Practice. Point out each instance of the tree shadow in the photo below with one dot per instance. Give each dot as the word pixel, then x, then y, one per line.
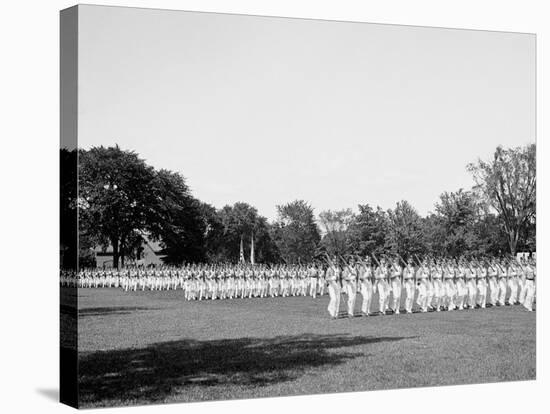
pixel 115 310
pixel 152 374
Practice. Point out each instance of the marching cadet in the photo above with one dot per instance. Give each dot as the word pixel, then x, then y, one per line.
pixel 408 283
pixel 461 289
pixel 513 283
pixel 349 278
pixel 188 283
pixel 471 286
pixel 365 280
pixel 201 282
pixel 285 281
pixel 437 282
pixel 213 279
pixel 422 286
pixel 522 280
pixel 481 285
pixel 272 281
pixel 430 292
pixel 322 281
pixel 492 282
pixel 312 275
pixel 334 288
pixel 530 287
pixel 263 279
pixel 231 282
pixel 240 283
pixel 502 283
pixel 450 286
pixel 382 286
pixel 395 274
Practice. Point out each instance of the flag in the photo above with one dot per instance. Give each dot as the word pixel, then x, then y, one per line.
pixel 252 249
pixel 241 255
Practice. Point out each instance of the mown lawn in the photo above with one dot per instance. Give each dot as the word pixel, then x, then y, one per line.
pixel 151 347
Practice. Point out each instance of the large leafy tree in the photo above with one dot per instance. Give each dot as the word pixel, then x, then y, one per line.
pixel 405 231
pixel 508 183
pixel 242 221
pixel 295 232
pixel 335 224
pixel 458 214
pixel 117 197
pixel 177 220
pixel 213 233
pixel 367 232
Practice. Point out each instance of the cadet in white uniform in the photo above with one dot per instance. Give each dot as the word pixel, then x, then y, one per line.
pixel 408 282
pixel 382 286
pixel 530 287
pixel 365 279
pixel 502 279
pixel 334 289
pixel 422 287
pixel 437 282
pixel 395 282
pixel 350 284
pixel 471 287
pixel 482 285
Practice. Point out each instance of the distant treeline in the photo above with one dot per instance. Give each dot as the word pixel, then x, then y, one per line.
pixel 121 200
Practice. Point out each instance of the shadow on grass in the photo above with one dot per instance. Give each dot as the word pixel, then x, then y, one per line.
pixel 151 374
pixel 117 310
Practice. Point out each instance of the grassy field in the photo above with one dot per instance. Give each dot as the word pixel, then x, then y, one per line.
pixel 145 347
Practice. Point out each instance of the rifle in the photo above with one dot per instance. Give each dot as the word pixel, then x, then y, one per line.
pixel 402 260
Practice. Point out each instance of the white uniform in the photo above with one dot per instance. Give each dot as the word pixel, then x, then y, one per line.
pixel 513 284
pixel 502 285
pixel 350 280
pixel 395 279
pixel 365 278
pixel 482 287
pixel 334 291
pixel 422 288
pixel 530 287
pixel 450 288
pixel 493 286
pixel 437 283
pixel 470 287
pixel 382 288
pixel 408 283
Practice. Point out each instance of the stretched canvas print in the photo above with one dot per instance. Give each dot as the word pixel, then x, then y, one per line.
pixel 263 206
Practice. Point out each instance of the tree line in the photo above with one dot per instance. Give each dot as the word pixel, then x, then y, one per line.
pixel 122 200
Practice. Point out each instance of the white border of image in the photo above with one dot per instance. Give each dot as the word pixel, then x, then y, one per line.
pixel 29 169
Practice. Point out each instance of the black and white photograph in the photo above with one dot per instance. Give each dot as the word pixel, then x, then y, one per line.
pixel 258 207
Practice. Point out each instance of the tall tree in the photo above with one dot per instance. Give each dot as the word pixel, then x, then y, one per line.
pixel 508 182
pixel 117 197
pixel 405 231
pixel 335 224
pixel 295 232
pixel 458 212
pixel 213 233
pixel 243 221
pixel 367 232
pixel 177 221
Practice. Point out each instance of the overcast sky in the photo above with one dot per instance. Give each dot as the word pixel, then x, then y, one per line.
pixel 268 110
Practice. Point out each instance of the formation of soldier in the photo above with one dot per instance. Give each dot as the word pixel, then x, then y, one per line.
pixel 201 281
pixel 434 284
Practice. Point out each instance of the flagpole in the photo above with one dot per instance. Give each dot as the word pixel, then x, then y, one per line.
pixel 241 253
